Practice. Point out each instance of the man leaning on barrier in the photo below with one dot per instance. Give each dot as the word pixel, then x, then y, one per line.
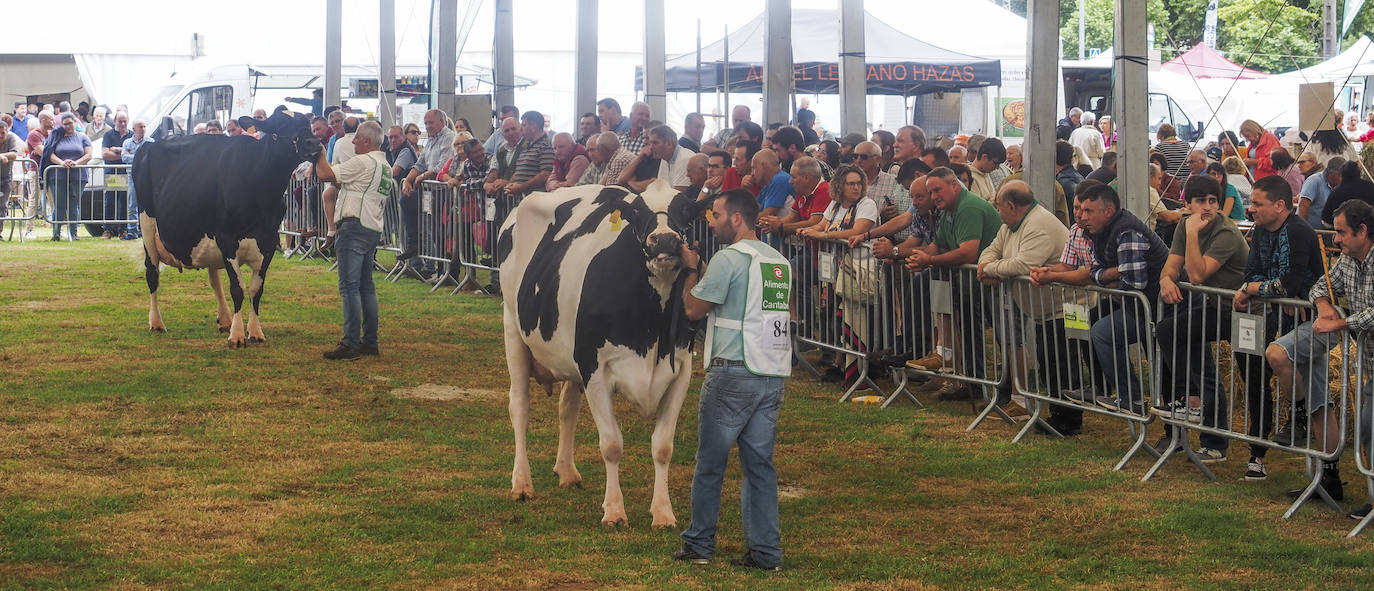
pixel 1073 268
pixel 1210 251
pixel 918 223
pixel 1284 258
pixel 1306 348
pixel 967 225
pixel 1030 237
pixel 1126 256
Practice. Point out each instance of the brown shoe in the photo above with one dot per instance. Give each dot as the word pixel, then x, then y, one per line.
pixel 954 391
pixel 1015 410
pixel 931 362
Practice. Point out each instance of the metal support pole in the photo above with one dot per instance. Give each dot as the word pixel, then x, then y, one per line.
pixel 1331 40
pixel 1082 31
pixel 584 84
pixel 1042 89
pixel 655 60
pixel 333 48
pixel 698 66
pixel 777 59
pixel 725 40
pixel 386 68
pixel 503 55
pixel 443 70
pixel 1128 93
pixel 853 69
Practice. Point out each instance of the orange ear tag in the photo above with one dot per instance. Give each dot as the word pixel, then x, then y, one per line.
pixel 710 215
pixel 615 220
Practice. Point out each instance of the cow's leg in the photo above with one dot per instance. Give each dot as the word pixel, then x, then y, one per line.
pixel 222 316
pixel 151 261
pixel 569 402
pixel 520 364
pixel 661 508
pixel 237 338
pixel 599 399
pixel 259 267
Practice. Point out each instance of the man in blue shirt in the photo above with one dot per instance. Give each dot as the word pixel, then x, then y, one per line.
pixel 1315 190
pixel 776 184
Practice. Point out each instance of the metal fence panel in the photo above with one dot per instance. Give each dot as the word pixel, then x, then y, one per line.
pixel 1228 398
pixel 837 295
pixel 1364 424
pixel 22 197
pixel 1063 367
pixel 94 195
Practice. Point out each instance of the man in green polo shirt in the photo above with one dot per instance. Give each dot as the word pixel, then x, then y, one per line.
pixel 968 224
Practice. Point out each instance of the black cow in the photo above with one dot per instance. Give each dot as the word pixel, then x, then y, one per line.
pixel 215 202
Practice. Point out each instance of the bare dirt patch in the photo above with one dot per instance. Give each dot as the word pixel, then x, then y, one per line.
pixel 443 393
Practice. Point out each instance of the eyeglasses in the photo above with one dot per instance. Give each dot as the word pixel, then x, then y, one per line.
pixel 854 183
pixel 865 156
pixel 715 166
pixel 413 132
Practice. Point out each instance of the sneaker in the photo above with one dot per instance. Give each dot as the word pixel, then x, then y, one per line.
pixel 748 561
pixel 1294 433
pixel 1078 394
pixel 1162 446
pixel 1175 409
pixel 1113 403
pixel 1360 513
pixel 931 362
pixel 689 556
pixel 106 235
pixel 370 350
pixel 1255 469
pixel 343 352
pixel 1331 481
pixel 1210 456
pixel 1062 426
pixel 492 289
pixel 29 235
pixel 410 251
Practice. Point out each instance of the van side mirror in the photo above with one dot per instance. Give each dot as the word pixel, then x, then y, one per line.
pixel 167 129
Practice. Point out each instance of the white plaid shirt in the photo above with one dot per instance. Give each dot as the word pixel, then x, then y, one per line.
pixel 1355 281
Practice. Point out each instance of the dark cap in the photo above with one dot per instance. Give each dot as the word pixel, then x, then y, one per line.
pixel 853 139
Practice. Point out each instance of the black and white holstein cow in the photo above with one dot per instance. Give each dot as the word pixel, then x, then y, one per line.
pixel 593 297
pixel 215 202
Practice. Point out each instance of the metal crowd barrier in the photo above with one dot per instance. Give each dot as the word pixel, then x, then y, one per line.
pixel 437 229
pixel 959 311
pixel 837 293
pixel 100 201
pixel 24 198
pixel 1060 365
pixel 304 224
pixel 1363 396
pixel 477 221
pixel 393 238
pixel 1242 410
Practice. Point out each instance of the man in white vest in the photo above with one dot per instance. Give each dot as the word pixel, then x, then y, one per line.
pixel 745 297
pixel 365 183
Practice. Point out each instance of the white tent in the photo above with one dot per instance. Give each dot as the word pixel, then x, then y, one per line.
pixel 1358 60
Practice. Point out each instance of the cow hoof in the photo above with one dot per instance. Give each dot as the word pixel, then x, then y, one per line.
pixel 224 329
pixel 577 484
pixel 238 343
pixel 668 524
pixel 614 523
pixel 257 340
pixel 157 328
pixel 521 496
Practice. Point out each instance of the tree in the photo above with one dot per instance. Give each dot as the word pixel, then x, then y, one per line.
pixel 1178 24
pixel 1262 34
pixel 1098 25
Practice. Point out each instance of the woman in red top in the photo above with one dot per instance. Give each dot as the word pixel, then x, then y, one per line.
pixel 1259 144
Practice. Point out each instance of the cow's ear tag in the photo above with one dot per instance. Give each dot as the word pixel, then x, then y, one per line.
pixel 615 220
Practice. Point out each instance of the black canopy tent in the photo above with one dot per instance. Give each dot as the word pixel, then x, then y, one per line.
pixel 897 63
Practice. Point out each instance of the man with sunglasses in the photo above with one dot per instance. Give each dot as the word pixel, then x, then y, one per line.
pixel 883 188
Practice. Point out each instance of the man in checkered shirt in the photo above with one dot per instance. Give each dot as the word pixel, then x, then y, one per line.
pixel 1306 348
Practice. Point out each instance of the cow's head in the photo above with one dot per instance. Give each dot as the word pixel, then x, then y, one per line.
pixel 290 135
pixel 661 227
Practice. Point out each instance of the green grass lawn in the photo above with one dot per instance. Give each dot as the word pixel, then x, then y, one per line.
pixel 137 460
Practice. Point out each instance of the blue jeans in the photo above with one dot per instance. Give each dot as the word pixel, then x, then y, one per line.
pixel 133 208
pixel 1111 336
pixel 66 188
pixel 737 407
pixel 356 246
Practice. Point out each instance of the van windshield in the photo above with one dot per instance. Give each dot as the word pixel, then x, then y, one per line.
pixel 159 103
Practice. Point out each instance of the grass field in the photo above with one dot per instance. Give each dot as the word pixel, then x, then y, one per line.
pixel 131 460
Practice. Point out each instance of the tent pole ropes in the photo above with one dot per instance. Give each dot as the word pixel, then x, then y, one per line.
pixel 853 77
